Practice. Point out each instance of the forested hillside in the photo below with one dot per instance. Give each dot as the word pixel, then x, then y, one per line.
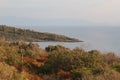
pixel 16 34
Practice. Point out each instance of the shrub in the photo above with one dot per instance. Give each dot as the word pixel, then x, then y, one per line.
pixel 78 62
pixel 116 66
pixel 51 48
pixel 64 74
pixel 110 58
pixel 78 74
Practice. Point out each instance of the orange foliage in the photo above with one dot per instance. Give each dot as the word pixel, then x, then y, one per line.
pixel 64 74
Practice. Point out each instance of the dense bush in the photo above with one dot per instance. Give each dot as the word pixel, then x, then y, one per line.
pixel 58 48
pixel 78 62
pixel 21 56
pixel 116 66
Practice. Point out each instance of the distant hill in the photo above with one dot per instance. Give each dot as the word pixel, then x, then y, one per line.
pixel 15 34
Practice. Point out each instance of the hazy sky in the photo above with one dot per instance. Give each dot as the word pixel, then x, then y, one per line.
pixel 60 12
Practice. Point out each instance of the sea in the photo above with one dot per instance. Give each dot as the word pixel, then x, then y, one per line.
pixel 104 39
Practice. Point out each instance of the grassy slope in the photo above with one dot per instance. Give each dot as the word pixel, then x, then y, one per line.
pixel 12 33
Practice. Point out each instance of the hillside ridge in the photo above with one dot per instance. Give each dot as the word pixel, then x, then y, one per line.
pixel 15 34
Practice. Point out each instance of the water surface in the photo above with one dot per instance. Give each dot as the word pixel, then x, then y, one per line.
pixel 101 38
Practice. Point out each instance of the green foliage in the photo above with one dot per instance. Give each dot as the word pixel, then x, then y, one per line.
pixel 30 49
pixel 77 61
pixel 14 54
pixel 78 74
pixel 9 54
pixel 116 66
pixel 58 48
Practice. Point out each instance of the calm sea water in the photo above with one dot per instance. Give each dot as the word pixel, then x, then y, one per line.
pixel 100 38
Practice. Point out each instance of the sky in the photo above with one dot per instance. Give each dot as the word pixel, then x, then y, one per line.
pixel 60 12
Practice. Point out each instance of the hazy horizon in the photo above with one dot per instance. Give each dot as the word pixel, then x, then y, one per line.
pixel 60 12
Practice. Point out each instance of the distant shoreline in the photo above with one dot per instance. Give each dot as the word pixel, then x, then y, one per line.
pixel 57 41
pixel 16 34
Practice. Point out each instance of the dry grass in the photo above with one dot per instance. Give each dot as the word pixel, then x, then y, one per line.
pixel 10 73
